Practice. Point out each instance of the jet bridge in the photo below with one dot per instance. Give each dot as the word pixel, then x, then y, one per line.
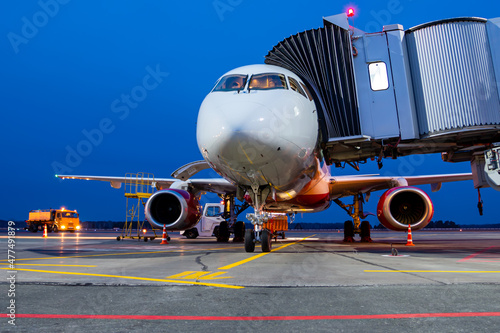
pixel 432 88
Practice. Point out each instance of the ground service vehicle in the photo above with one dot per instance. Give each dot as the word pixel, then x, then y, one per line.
pixel 213 224
pixel 55 220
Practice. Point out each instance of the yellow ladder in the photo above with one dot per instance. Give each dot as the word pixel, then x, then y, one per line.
pixel 138 188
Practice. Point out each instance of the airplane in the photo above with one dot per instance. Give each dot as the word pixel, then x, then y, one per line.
pixel 258 129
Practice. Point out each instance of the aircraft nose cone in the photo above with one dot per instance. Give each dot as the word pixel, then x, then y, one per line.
pixel 238 133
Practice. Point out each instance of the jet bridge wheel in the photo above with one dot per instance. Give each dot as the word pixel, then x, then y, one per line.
pixel 249 240
pixel 266 238
pixel 365 232
pixel 348 232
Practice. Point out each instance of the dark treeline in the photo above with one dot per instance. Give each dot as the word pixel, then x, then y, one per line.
pixel 109 225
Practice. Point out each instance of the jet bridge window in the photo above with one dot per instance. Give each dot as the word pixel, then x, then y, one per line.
pixel 233 82
pixel 295 86
pixel 267 81
pixel 378 76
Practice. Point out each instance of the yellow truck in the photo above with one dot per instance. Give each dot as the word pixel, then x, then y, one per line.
pixel 55 219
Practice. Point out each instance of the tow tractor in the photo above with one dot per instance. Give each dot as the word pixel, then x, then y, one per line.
pixel 217 221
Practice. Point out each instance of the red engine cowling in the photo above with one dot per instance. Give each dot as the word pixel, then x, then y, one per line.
pixel 177 209
pixel 403 206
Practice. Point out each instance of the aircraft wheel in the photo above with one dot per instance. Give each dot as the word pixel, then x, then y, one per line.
pixel 348 232
pixel 265 238
pixel 249 240
pixel 223 236
pixel 365 232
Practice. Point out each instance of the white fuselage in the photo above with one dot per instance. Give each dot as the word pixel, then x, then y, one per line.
pixel 256 128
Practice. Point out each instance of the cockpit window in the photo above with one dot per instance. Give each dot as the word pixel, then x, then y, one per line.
pixel 294 85
pixel 233 82
pixel 267 81
pixel 307 91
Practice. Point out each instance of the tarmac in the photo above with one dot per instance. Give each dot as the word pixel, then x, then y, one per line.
pixel 311 281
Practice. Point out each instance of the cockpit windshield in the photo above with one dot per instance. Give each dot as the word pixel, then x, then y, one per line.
pixel 233 82
pixel 267 81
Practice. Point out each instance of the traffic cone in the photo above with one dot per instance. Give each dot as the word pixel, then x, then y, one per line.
pixel 409 242
pixel 164 238
pixel 44 230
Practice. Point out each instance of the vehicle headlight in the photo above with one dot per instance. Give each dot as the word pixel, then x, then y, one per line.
pixel 63 227
pixel 77 227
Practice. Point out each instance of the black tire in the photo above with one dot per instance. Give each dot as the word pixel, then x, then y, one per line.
pixel 223 236
pixel 49 228
pixel 239 232
pixel 365 232
pixel 33 228
pixel 265 239
pixel 348 232
pixel 118 238
pixel 145 239
pixel 152 238
pixel 55 229
pixel 191 233
pixel 249 240
pixel 168 238
pixel 72 231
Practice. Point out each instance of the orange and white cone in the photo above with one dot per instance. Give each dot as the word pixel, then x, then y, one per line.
pixel 409 242
pixel 164 238
pixel 44 230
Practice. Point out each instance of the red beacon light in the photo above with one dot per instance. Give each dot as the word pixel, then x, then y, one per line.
pixel 350 12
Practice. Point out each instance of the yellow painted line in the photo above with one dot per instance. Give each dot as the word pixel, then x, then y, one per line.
pixel 244 261
pixel 195 275
pixel 425 271
pixel 117 254
pixel 58 265
pixel 134 278
pixel 215 276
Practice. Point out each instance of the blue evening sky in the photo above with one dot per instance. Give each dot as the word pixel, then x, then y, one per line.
pixel 67 67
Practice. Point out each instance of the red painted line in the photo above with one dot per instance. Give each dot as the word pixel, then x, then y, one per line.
pixel 262 318
pixel 476 254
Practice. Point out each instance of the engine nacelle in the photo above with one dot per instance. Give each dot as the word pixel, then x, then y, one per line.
pixel 402 206
pixel 177 209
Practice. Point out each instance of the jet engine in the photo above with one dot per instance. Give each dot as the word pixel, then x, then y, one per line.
pixel 177 209
pixel 402 206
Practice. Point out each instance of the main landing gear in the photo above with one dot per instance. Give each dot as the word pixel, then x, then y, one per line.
pixel 355 210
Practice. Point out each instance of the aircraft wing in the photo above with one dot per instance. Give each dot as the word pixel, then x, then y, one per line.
pixel 342 186
pixel 215 185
